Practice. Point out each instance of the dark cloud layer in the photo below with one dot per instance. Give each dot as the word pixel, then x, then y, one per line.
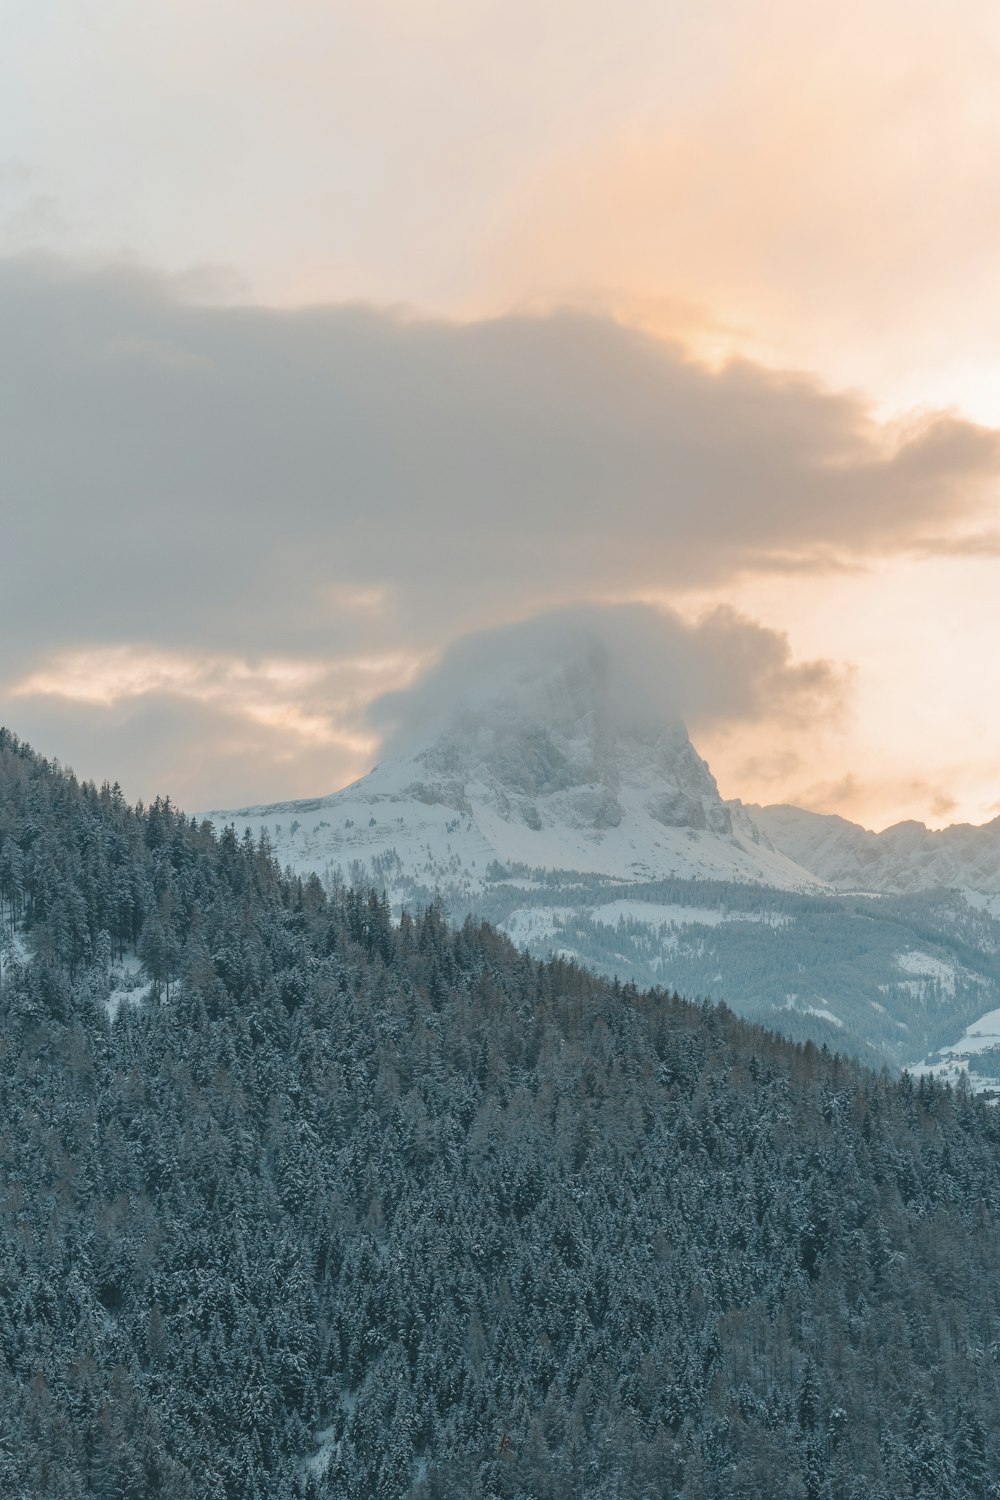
pixel 208 476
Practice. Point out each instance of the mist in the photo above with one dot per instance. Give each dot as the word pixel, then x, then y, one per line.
pixel 646 667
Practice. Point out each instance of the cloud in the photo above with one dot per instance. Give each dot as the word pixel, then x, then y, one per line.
pixel 310 698
pixel 653 666
pixel 201 726
pixel 200 753
pixel 816 183
pixel 862 797
pixel 214 504
pixel 826 183
pixel 984 544
pixel 211 476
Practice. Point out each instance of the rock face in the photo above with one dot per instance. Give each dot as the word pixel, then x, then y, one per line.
pixel 906 857
pixel 548 763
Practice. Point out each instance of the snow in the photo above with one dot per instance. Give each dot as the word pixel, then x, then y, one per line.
pixel 982 901
pixel 928 967
pixel 656 914
pixel 317 1463
pixel 420 837
pixel 13 947
pixel 531 923
pixel 906 857
pixel 127 984
pixel 129 988
pixel 978 1037
pixel 660 914
pixel 981 1036
pixel 792 1002
pixel 823 1013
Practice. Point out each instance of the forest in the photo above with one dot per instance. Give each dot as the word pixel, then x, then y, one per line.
pixel 301 1200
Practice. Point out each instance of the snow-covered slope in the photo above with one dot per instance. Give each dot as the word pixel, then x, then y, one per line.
pixel 542 765
pixel 906 857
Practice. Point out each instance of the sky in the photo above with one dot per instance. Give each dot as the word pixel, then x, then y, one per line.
pixel 332 333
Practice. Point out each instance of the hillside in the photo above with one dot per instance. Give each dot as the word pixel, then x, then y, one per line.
pixel 341 1207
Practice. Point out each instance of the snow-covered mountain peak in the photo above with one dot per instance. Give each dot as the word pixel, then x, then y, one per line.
pixel 550 756
pixel 555 743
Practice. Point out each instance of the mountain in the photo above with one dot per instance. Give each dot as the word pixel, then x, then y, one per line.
pixel 542 766
pixel 956 871
pixel 545 792
pixel 906 857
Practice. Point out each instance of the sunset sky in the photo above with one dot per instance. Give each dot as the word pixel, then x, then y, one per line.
pixel 332 332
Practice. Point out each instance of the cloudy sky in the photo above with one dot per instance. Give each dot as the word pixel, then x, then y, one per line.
pixel 330 333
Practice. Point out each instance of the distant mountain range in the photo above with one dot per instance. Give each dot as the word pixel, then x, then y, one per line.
pixel 906 857
pixel 582 823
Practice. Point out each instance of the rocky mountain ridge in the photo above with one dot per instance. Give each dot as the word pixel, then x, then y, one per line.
pixel 906 857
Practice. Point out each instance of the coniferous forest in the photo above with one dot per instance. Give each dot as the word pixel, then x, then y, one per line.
pixel 331 1205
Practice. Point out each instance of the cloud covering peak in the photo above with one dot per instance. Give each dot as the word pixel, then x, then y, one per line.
pixel 639 668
